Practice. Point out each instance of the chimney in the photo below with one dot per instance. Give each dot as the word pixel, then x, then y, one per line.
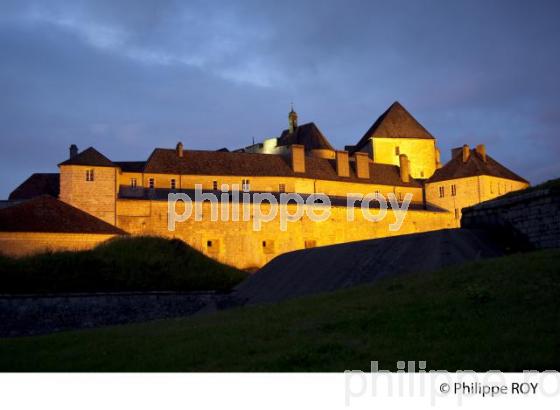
pixel 298 158
pixel 466 153
pixel 362 164
pixel 342 165
pixel 404 165
pixel 481 149
pixel 73 150
pixel 179 149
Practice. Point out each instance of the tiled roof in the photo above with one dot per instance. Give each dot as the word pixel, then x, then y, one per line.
pixel 307 135
pixel 91 157
pixel 130 166
pixel 474 166
pixel 166 161
pixel 37 185
pixel 396 122
pixel 47 214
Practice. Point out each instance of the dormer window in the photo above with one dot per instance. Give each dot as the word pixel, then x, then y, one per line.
pixel 89 175
pixel 173 184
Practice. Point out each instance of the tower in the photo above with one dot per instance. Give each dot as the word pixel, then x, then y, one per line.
pixel 292 120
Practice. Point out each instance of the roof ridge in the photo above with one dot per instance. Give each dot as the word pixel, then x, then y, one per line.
pixel 47 214
pixel 308 135
pixel 475 165
pixel 89 156
pixel 241 164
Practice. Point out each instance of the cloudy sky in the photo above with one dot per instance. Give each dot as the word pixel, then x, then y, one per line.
pixel 128 76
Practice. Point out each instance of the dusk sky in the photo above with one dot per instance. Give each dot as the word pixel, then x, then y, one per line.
pixel 129 76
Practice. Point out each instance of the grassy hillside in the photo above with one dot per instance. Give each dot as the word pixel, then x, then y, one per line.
pixel 494 314
pixel 122 264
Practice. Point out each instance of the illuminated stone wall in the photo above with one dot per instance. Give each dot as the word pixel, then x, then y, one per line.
pixel 97 197
pixel 469 191
pixel 26 243
pixel 270 184
pixel 237 244
pixel 533 215
pixel 420 152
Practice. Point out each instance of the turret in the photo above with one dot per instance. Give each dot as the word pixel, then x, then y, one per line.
pixel 292 120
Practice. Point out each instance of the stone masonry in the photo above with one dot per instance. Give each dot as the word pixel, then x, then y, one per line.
pixel 534 214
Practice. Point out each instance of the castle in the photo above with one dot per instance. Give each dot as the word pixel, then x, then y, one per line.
pixel 93 198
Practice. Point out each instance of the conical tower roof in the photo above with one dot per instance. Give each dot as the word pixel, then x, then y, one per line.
pixel 396 122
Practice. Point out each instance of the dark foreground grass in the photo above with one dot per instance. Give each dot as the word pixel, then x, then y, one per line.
pixel 121 264
pixel 495 314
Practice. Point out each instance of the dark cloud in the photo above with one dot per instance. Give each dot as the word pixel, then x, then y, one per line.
pixel 131 75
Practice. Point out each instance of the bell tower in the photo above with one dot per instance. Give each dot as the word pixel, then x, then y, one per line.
pixel 292 120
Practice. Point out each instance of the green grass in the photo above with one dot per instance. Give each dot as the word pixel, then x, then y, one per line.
pixel 499 313
pixel 122 264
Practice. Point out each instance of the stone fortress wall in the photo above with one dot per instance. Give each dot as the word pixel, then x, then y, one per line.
pixel 469 190
pixel 27 243
pixel 535 215
pixel 396 156
pixel 237 243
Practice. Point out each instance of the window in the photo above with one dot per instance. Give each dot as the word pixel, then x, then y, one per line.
pixel 213 246
pixel 268 246
pixel 397 151
pixel 282 188
pixel 215 185
pixel 152 183
pixel 421 174
pixel 245 186
pixel 89 175
pixel 173 183
pixel 456 213
pixel 400 195
pixel 441 192
pixel 311 243
pixel 133 182
pixel 453 190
